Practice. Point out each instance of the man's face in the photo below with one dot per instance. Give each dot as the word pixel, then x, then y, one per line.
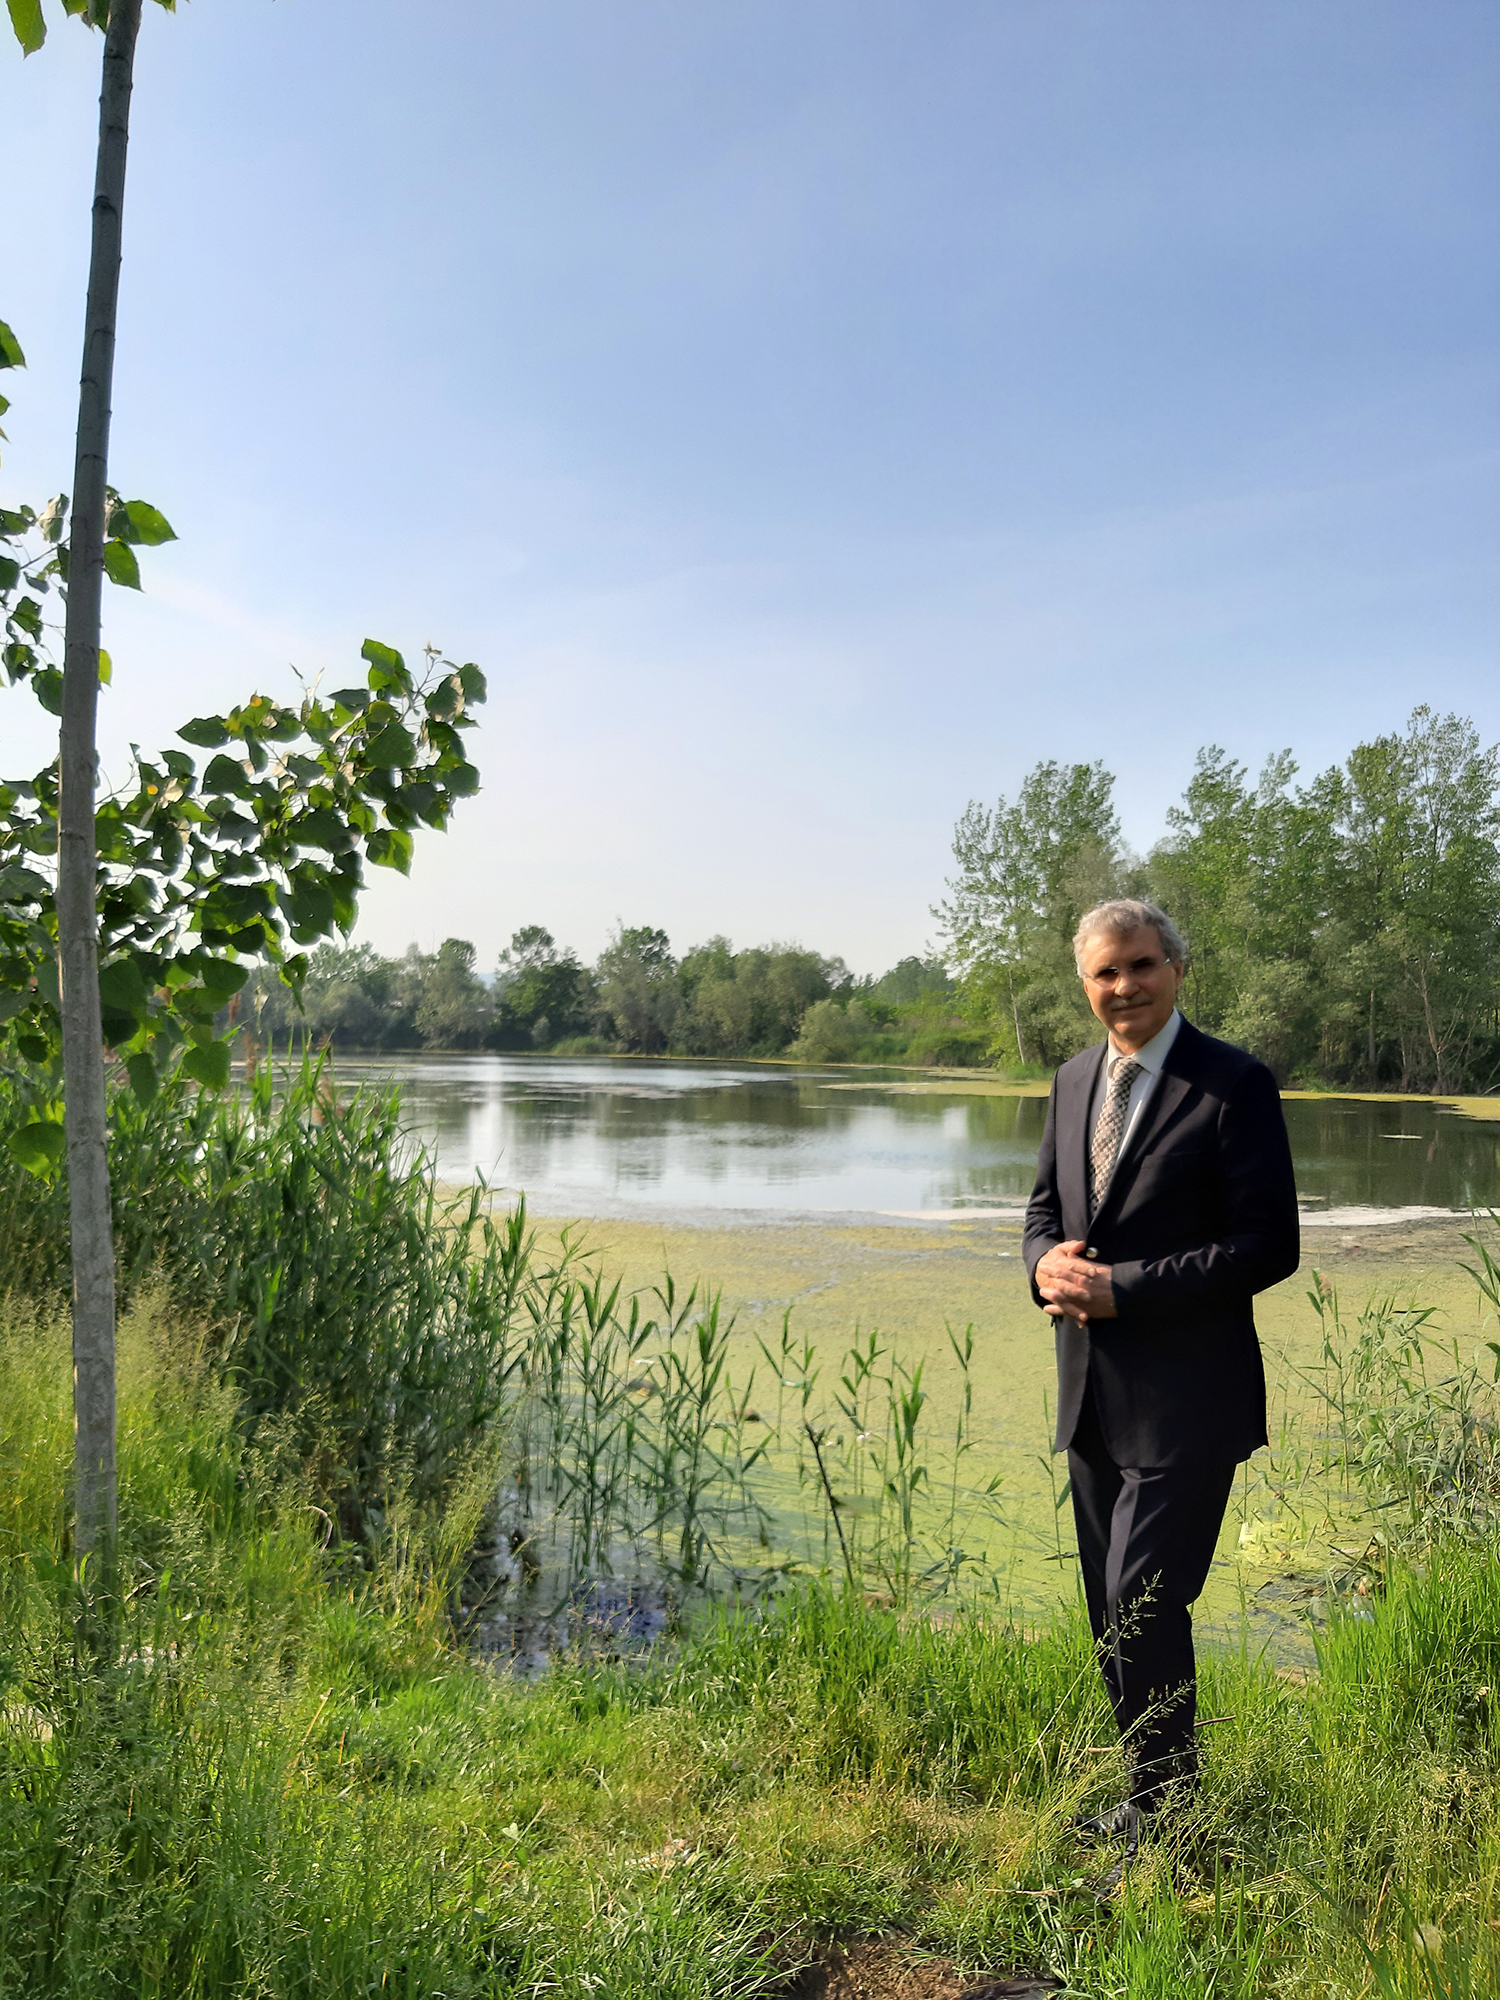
pixel 1137 1001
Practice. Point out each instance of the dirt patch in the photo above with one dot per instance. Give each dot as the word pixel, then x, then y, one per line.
pixel 894 1969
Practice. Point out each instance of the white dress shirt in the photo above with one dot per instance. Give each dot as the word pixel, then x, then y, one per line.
pixel 1151 1059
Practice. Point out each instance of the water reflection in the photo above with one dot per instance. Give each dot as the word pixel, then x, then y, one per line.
pixel 596 1136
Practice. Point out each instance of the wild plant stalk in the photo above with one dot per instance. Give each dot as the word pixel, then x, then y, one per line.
pixel 815 1439
pixel 794 1368
pixel 1060 1495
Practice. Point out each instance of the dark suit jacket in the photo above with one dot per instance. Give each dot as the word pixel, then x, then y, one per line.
pixel 1199 1215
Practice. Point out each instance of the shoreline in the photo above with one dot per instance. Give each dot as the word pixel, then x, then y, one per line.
pixel 932 1080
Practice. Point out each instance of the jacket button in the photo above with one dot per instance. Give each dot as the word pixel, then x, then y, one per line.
pixel 1091 1251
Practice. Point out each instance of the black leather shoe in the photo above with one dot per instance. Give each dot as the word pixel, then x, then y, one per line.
pixel 1122 1822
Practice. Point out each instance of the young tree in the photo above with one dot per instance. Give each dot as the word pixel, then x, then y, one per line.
pixel 1248 872
pixel 542 994
pixel 455 1007
pixel 638 988
pixel 1421 883
pixel 83 1061
pixel 192 875
pixel 1027 872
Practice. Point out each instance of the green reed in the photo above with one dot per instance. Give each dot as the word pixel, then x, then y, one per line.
pixel 626 1442
pixel 1413 1414
pixel 886 1495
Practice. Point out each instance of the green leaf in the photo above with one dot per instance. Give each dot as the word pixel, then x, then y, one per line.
pixel 143 524
pixel 237 903
pixel 106 668
pixel 197 1004
pixel 208 1064
pixel 310 909
pixel 324 828
pixel 221 976
pixel 387 668
pixel 122 987
pixel 473 682
pixel 446 698
pixel 46 684
pixel 35 1048
pixel 208 732
pixel 391 748
pixel 354 699
pixel 26 19
pixel 390 849
pixel 10 348
pixel 22 885
pixel 142 1073
pixel 39 1146
pixel 120 565
pixel 10 572
pixel 225 774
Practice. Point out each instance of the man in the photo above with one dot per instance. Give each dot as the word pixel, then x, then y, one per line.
pixel 1164 1201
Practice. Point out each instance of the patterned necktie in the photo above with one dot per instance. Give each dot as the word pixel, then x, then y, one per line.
pixel 1111 1126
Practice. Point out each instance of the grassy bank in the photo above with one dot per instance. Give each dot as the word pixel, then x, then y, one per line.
pixel 291 1783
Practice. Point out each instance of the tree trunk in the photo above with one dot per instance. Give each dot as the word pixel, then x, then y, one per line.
pixel 1372 1037
pixel 1432 1033
pixel 1015 1015
pixel 77 923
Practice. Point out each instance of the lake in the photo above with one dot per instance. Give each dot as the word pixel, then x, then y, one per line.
pixel 609 1137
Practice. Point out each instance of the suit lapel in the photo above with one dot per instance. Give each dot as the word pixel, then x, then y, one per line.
pixel 1078 1146
pixel 1172 1086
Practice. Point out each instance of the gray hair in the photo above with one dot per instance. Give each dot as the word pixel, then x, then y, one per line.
pixel 1121 916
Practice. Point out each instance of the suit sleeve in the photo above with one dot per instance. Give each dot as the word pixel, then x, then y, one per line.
pixel 1044 1225
pixel 1259 1243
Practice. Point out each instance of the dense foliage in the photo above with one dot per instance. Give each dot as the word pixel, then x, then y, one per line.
pixel 638 998
pixel 1347 930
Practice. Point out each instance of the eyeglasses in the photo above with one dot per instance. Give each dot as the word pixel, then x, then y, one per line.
pixel 1138 968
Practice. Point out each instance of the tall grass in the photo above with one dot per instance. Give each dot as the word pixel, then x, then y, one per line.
pixel 289 1784
pixel 344 1299
pixel 1412 1413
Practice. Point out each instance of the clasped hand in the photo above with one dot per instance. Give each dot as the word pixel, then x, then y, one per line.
pixel 1074 1286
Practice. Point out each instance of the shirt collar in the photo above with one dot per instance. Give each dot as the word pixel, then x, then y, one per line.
pixel 1154 1054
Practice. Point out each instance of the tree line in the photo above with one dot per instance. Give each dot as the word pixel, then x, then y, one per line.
pixel 1345 929
pixel 638 997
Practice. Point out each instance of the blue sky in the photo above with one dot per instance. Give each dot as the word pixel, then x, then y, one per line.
pixel 809 415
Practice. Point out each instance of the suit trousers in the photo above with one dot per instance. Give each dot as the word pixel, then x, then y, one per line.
pixel 1146 1536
